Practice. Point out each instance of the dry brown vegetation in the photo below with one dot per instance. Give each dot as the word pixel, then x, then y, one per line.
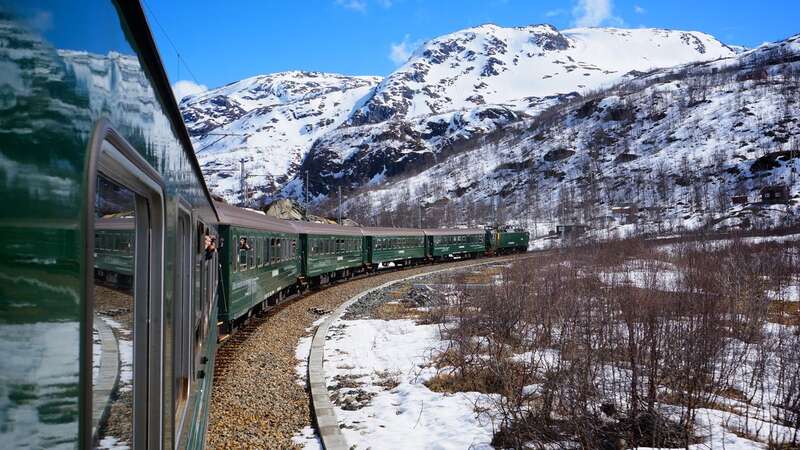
pixel 624 344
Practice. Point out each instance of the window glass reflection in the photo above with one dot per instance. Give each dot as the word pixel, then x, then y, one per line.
pixel 114 315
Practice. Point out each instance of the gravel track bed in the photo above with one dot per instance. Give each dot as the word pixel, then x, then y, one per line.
pixel 259 403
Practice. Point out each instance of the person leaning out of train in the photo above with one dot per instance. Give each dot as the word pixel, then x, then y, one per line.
pixel 210 245
pixel 243 245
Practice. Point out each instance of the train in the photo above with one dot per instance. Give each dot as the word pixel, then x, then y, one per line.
pixel 265 260
pixel 114 302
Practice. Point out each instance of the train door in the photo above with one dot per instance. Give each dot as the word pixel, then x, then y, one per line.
pixel 182 324
pixel 126 339
pixel 205 284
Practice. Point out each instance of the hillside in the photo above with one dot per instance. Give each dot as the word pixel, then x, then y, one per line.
pixel 453 89
pixel 663 151
pixel 272 120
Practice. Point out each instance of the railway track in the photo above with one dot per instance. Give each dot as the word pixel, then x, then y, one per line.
pixel 228 348
pixel 257 401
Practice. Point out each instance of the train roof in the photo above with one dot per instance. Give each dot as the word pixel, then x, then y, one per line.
pixel 387 231
pixel 326 228
pixel 452 231
pixel 139 28
pixel 115 223
pixel 232 215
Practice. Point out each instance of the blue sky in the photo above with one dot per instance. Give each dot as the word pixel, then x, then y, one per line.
pixel 224 41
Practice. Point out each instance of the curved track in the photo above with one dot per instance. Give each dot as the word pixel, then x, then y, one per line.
pixel 257 401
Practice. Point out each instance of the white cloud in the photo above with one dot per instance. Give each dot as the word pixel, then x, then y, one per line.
pixel 355 5
pixel 638 9
pixel 593 13
pixel 555 12
pixel 399 52
pixel 183 88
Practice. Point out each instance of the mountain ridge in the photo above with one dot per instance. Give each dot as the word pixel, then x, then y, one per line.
pixel 444 91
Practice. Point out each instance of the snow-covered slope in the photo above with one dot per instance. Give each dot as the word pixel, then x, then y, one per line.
pixel 271 121
pixel 492 64
pixel 455 87
pixel 666 150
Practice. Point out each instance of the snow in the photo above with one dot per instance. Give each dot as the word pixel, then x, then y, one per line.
pixel 112 443
pixel 275 119
pixel 308 439
pixel 453 64
pixel 645 274
pixel 125 346
pixel 718 139
pixel 409 415
pixel 789 293
pixel 302 351
pixel 448 80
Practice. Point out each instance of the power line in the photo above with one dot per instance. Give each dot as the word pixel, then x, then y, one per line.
pixel 171 43
pixel 222 136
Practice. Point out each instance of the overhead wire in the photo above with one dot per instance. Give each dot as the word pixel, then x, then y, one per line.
pixel 180 58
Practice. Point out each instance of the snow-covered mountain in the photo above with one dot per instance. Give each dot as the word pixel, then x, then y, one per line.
pixel 271 121
pixel 663 151
pixel 492 64
pixel 356 130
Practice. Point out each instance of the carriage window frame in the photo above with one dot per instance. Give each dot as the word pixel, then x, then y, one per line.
pixel 111 156
pixel 257 248
pixel 235 253
pixel 183 319
pixel 244 254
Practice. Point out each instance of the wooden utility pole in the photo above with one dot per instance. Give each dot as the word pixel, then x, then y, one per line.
pixel 340 205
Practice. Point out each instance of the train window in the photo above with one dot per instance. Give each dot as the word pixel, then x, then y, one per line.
pixel 235 254
pixel 205 289
pixel 259 247
pixel 251 253
pixel 124 302
pixel 114 289
pixel 273 250
pixel 182 329
pixel 244 244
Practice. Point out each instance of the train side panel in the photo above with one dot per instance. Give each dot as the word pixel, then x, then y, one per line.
pixel 89 89
pixel 326 255
pixel 386 249
pixel 269 265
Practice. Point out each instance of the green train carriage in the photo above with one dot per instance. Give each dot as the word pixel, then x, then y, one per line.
pixel 401 246
pixel 260 262
pixel 91 129
pixel 443 243
pixel 330 252
pixel 502 241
